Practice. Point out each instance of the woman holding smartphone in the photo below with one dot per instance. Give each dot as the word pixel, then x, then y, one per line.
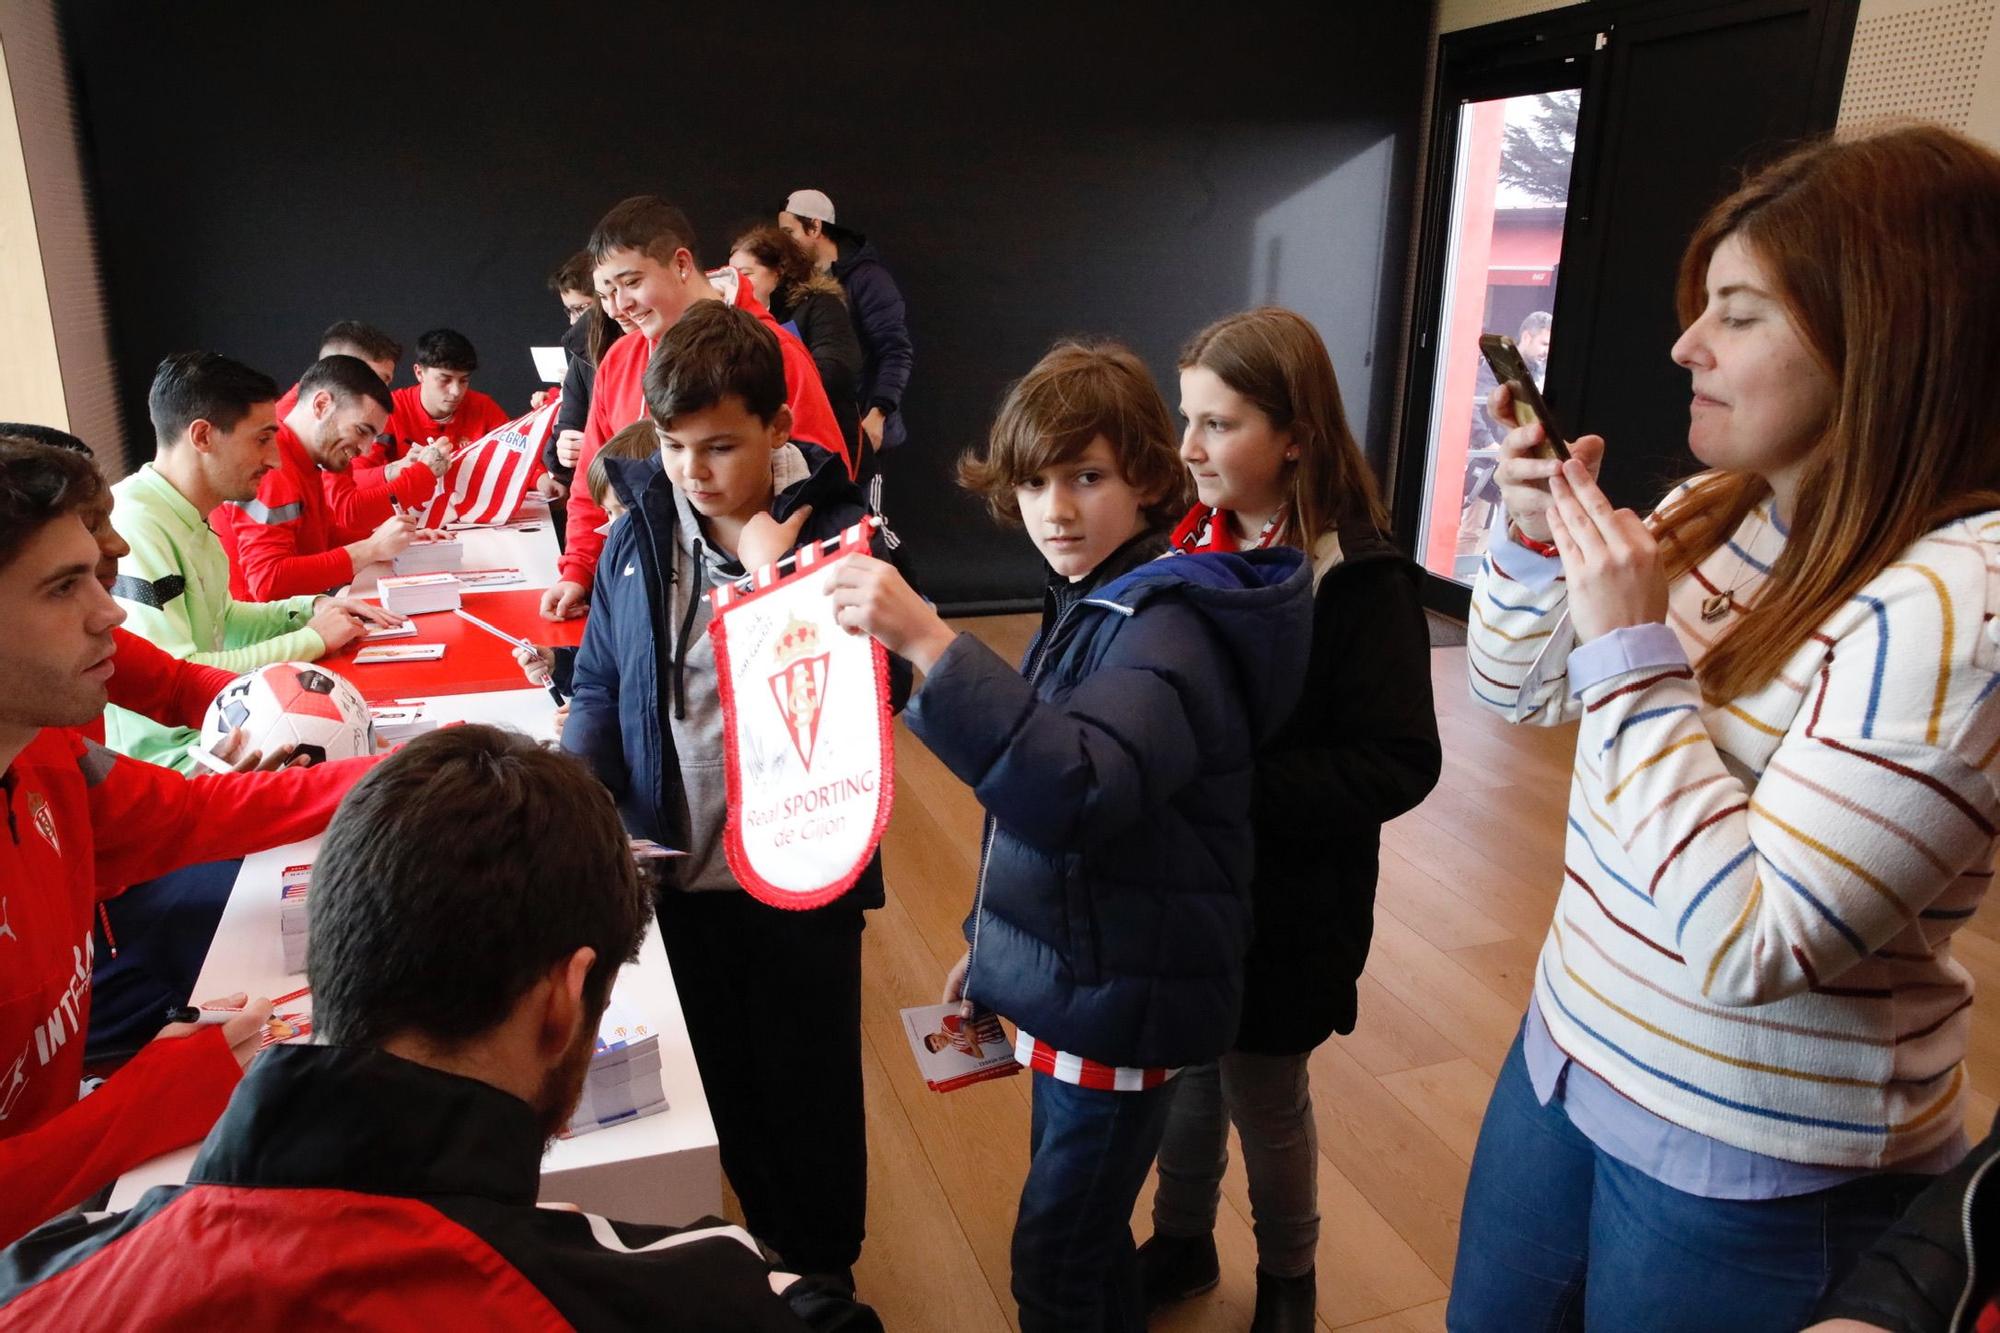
pixel 1746 1046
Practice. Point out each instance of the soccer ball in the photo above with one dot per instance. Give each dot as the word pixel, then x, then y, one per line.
pixel 292 704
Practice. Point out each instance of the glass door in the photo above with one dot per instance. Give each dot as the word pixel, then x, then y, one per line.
pixel 1502 257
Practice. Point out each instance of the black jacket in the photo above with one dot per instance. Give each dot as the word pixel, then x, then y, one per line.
pixel 1360 749
pixel 876 304
pixel 1918 1277
pixel 820 319
pixel 578 381
pixel 346 1187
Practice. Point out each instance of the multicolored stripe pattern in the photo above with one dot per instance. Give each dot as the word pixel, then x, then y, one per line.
pixel 1753 936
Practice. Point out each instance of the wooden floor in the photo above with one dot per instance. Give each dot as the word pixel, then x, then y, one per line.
pixel 1468 885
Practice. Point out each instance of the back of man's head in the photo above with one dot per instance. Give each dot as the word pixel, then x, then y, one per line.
pixel 203 386
pixel 712 352
pixel 447 349
pixel 351 337
pixel 645 223
pixel 40 482
pixel 49 435
pixel 347 378
pixel 454 876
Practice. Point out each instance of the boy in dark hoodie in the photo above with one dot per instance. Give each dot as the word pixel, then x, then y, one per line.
pixel 729 491
pixel 1112 912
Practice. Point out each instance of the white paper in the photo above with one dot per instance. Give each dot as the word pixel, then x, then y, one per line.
pixel 551 363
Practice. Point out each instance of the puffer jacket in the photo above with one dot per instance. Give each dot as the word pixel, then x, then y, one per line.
pixel 1113 912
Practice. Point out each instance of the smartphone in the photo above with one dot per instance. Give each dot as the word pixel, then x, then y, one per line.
pixel 1508 367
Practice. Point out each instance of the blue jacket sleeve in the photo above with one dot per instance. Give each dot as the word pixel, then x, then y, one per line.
pixel 1067 776
pixel 878 308
pixel 592 732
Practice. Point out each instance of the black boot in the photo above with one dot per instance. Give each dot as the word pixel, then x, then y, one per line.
pixel 1173 1268
pixel 1285 1304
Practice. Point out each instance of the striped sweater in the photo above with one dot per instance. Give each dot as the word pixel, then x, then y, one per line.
pixel 1753 935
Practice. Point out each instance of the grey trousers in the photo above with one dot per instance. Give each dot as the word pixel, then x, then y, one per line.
pixel 1270 1100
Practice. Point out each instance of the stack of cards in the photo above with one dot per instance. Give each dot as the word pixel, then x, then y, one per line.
pixel 406 630
pixel 430 557
pixel 293 887
pixel 396 723
pixel 624 1079
pixel 414 594
pixel 953 1051
pixel 488 578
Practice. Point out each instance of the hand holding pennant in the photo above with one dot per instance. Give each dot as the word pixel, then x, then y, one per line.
pixel 809 756
pixel 485 482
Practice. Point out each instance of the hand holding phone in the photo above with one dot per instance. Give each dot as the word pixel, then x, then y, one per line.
pixel 1529 406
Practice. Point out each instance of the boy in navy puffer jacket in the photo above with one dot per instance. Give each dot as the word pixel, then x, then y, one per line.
pixel 728 491
pixel 1112 911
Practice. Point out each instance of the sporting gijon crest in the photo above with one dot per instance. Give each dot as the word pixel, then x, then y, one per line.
pixel 806 731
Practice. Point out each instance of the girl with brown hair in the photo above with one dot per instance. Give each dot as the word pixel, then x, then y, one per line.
pixel 784 279
pixel 1274 463
pixel 1746 1046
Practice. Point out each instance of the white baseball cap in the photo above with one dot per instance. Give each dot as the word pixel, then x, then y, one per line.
pixel 810 204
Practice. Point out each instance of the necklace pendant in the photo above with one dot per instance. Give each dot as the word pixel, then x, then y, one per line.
pixel 1715 608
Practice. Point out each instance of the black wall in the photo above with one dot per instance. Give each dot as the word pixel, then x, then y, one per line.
pixel 261 170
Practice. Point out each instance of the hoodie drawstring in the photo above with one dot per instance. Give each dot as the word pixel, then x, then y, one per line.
pixel 695 594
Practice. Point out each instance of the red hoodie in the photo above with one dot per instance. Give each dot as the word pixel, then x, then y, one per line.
pixel 158 685
pixel 79 817
pixel 618 398
pixel 286 541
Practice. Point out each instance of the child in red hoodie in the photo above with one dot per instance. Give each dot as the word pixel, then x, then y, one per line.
pixel 646 270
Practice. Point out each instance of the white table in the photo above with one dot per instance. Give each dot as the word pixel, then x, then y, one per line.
pixel 529 546
pixel 659 1168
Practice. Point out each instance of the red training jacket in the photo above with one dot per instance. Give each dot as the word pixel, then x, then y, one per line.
pixel 618 398
pixel 79 818
pixel 158 685
pixel 286 541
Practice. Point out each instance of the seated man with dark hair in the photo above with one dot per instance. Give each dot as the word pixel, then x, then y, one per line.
pixel 351 337
pixel 442 404
pixel 472 903
pixel 287 541
pixel 80 822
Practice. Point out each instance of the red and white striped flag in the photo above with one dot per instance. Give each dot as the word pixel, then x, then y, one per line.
pixel 488 478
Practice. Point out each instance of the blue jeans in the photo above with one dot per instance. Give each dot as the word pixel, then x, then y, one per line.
pixel 163 928
pixel 1559 1235
pixel 1074 1270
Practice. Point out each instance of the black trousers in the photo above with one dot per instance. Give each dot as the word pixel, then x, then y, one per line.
pixel 773 1005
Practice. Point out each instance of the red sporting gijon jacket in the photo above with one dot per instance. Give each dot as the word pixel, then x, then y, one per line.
pixel 158 685
pixel 359 497
pixel 618 398
pixel 79 818
pixel 286 541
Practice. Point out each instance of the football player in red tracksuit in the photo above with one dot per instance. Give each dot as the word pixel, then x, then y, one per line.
pixel 644 252
pixel 287 542
pixel 351 337
pixel 442 404
pixel 78 818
